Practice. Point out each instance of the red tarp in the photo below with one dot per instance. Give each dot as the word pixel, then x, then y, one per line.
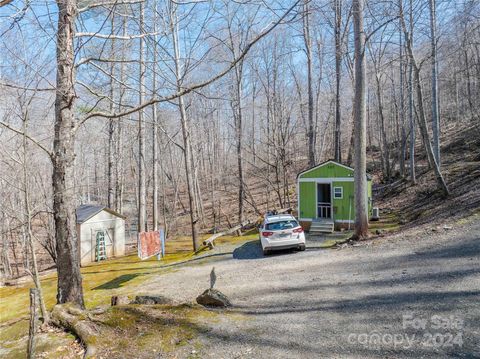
pixel 149 244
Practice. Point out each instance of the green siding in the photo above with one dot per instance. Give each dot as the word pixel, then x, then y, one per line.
pixel 329 170
pixel 307 200
pixel 344 209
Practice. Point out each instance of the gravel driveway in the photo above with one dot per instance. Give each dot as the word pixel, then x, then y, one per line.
pixel 411 295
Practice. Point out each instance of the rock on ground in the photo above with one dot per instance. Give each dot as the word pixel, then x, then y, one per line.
pixel 152 299
pixel 213 298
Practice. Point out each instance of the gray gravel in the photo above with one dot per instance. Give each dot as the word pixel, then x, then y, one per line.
pixel 335 303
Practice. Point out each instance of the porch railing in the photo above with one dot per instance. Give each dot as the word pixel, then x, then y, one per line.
pixel 324 210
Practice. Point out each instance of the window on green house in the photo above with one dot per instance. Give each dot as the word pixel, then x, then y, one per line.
pixel 338 192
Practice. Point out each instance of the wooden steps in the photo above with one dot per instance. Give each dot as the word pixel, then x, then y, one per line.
pixel 321 226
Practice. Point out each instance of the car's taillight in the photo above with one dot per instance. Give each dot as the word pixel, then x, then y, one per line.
pixel 267 234
pixel 298 230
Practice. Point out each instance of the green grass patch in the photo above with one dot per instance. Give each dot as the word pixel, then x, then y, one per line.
pixel 123 275
pixel 388 222
pixel 142 331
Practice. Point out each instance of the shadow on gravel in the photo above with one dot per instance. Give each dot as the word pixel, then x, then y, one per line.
pixel 249 250
pixel 253 250
pixel 371 304
pixel 465 249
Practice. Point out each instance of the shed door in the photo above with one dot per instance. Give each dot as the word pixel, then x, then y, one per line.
pixel 110 242
pixel 324 200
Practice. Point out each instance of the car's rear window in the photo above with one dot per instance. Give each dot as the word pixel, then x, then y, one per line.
pixel 288 224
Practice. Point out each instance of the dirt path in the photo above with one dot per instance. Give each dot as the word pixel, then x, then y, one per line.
pixel 367 301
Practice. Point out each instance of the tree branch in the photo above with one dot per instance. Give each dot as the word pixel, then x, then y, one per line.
pixel 114 37
pixel 36 142
pixel 86 60
pixel 108 3
pixel 194 87
pixel 26 88
pixel 5 2
pixel 379 27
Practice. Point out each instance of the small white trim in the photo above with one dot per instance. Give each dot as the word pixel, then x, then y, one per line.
pixel 306 219
pixel 326 179
pixel 344 221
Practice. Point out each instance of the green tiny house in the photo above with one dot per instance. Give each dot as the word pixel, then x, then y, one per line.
pixel 326 193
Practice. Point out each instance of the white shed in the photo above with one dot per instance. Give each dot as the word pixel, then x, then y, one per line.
pixel 101 233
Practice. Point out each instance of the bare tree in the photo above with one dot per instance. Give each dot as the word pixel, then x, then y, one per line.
pixel 339 38
pixel 409 37
pixel 34 273
pixel 142 190
pixel 360 128
pixel 68 258
pixel 155 209
pixel 308 50
pixel 187 145
pixel 435 107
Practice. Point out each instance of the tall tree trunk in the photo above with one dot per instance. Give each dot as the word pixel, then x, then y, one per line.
pixel 188 155
pixel 111 125
pixel 413 176
pixel 254 95
pixel 360 128
pixel 383 133
pixel 119 165
pixel 411 120
pixel 469 85
pixel 402 110
pixel 338 63
pixel 351 146
pixel 155 213
pixel 308 48
pixel 238 117
pixel 28 224
pixel 435 105
pixel 67 247
pixel 142 191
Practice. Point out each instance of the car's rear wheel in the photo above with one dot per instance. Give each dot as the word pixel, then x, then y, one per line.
pixel 301 247
pixel 266 252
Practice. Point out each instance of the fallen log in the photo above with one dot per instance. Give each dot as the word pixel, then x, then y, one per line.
pixel 209 241
pixel 75 320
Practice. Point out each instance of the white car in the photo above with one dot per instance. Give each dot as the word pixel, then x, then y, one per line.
pixel 281 232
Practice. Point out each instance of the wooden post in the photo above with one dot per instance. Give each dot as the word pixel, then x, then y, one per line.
pixel 33 323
